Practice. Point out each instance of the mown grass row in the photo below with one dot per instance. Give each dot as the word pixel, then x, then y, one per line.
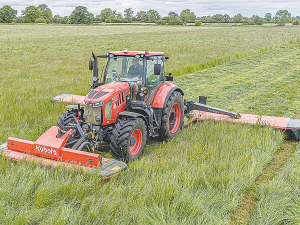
pixel 265 84
pixel 185 72
pixel 278 199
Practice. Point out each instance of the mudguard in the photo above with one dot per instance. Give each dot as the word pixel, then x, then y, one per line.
pixel 69 98
pixel 163 93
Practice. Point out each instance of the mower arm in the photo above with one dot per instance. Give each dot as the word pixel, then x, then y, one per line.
pixel 191 105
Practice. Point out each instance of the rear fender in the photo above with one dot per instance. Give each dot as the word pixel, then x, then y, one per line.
pixel 163 94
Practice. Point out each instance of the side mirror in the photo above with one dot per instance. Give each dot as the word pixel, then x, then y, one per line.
pixel 157 68
pixel 91 64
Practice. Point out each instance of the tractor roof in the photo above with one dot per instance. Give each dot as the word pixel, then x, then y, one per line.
pixel 134 53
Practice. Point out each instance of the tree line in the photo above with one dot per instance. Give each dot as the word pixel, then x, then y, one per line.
pixel 43 14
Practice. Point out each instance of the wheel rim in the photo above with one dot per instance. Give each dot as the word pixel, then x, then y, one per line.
pixel 135 141
pixel 174 118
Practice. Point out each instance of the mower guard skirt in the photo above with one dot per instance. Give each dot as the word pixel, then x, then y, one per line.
pixel 50 151
pixel 282 123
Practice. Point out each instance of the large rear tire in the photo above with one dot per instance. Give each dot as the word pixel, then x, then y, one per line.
pixel 128 139
pixel 172 118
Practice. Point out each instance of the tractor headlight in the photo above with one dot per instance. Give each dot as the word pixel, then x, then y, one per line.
pixel 108 110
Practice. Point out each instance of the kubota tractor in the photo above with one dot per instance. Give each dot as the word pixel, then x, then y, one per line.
pixel 131 101
pixel 134 100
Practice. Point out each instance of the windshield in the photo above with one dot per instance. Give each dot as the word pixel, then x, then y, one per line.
pixel 124 68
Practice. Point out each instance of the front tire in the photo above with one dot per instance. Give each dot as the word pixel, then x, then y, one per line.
pixel 172 118
pixel 128 139
pixel 65 120
pixel 65 123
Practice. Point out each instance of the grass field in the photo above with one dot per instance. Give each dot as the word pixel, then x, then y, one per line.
pixel 278 199
pixel 198 177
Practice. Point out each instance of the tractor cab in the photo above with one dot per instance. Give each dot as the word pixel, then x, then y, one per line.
pixel 143 71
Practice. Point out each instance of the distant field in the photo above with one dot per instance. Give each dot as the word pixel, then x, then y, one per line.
pixel 199 176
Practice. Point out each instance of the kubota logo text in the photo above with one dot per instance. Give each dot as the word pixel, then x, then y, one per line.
pixel 45 150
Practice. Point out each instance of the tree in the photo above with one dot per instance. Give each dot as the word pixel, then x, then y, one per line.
pixel 226 18
pixel 141 16
pixel 218 18
pixel 81 16
pixel 257 20
pixel 198 22
pixel 31 14
pixel 153 15
pixel 173 15
pixel 296 22
pixel 282 17
pixel 119 17
pixel 61 20
pixel 106 13
pixel 187 16
pixel 128 14
pixel 7 14
pixel 268 17
pixel 206 19
pixel 238 18
pixel 46 13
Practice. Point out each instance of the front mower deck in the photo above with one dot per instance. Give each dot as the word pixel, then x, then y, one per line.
pixel 50 151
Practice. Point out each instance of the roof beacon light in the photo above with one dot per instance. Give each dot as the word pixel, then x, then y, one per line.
pixel 125 50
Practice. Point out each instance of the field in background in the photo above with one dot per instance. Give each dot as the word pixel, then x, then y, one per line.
pixel 199 176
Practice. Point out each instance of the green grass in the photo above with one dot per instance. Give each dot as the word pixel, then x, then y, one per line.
pixel 198 177
pixel 278 199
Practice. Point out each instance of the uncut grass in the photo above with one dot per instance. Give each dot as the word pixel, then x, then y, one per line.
pixel 278 201
pixel 197 177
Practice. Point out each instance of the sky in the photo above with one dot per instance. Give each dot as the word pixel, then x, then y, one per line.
pixel 199 7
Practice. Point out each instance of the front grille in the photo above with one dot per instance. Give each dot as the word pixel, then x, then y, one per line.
pixel 91 113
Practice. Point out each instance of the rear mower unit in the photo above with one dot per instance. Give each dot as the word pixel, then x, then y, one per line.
pixel 132 101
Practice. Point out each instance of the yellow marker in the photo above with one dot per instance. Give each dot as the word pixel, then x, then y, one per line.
pixel 3 145
pixel 116 168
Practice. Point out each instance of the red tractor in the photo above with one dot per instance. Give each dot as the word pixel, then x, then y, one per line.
pixel 132 101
